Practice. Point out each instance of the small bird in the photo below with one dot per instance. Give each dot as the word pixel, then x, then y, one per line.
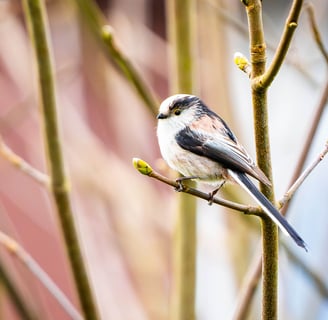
pixel 197 143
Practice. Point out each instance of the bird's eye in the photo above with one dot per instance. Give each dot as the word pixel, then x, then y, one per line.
pixel 177 112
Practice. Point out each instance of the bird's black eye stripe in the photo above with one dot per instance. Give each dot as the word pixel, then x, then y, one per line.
pixel 174 106
pixel 183 103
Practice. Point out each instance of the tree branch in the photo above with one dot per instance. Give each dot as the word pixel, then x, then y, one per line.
pixel 144 168
pixel 264 80
pixel 312 275
pixel 180 22
pixel 25 311
pixel 104 34
pixel 259 99
pixel 127 68
pixel 309 139
pixel 288 195
pixel 36 17
pixel 316 32
pixel 15 249
pixel 22 165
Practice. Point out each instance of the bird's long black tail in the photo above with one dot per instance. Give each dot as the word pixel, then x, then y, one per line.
pixel 267 206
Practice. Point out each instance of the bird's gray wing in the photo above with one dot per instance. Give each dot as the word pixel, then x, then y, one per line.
pixel 221 147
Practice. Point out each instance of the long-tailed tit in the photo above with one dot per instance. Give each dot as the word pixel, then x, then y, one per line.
pixel 196 142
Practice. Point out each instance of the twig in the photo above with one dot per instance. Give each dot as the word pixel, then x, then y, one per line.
pixel 127 68
pixel 23 310
pixel 311 274
pixel 315 31
pixel 144 168
pixel 248 287
pixel 36 17
pixel 264 81
pixel 14 248
pixel 238 25
pixel 288 195
pixel 22 165
pixel 96 21
pixel 310 136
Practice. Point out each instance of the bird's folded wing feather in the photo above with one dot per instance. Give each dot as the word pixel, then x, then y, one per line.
pixel 220 146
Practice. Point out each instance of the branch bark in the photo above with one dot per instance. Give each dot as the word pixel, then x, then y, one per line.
pixel 36 17
pixel 180 23
pixel 259 98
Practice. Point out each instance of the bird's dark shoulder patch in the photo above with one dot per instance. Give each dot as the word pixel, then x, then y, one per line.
pixel 190 140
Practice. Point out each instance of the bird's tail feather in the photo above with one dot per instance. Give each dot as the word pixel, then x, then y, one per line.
pixel 267 206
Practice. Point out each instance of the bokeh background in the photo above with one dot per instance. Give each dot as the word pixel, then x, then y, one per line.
pixel 125 220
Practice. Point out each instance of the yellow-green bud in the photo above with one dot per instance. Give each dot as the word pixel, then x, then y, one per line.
pixel 142 166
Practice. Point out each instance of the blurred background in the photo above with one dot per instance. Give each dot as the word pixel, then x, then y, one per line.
pixel 125 220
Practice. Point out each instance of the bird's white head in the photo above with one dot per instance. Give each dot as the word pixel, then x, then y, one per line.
pixel 179 111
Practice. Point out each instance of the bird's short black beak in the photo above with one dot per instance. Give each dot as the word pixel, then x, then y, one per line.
pixel 161 116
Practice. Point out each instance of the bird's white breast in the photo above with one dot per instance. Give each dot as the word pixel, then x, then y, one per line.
pixel 184 161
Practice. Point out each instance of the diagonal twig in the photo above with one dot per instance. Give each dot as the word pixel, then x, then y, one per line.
pixel 288 195
pixel 264 81
pixel 22 165
pixel 15 249
pixel 146 169
pixel 316 32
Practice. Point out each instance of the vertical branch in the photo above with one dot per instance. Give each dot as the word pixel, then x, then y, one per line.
pixel 180 26
pixel 259 98
pixel 180 34
pixel 260 82
pixel 36 17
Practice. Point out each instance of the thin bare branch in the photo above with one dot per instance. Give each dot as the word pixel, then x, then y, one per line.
pixel 316 32
pixel 312 275
pixel 248 288
pixel 309 139
pixel 127 68
pixel 146 169
pixel 239 26
pixel 288 195
pixel 97 23
pixel 15 249
pixel 20 304
pixel 266 79
pixel 22 165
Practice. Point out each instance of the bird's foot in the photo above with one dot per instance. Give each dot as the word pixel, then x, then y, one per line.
pixel 180 186
pixel 214 192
